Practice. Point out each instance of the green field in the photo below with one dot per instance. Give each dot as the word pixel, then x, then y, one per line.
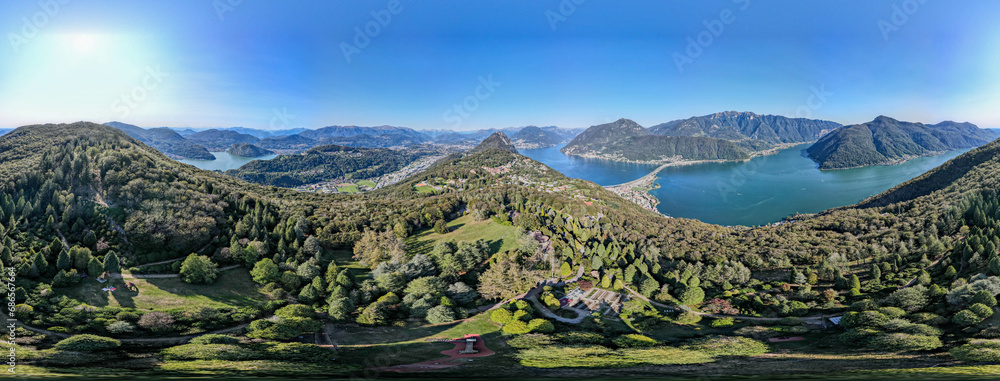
pixel 347 188
pixel 500 238
pixel 424 189
pixel 233 288
pixel 367 183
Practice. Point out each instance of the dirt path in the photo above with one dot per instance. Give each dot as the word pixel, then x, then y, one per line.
pixel 532 296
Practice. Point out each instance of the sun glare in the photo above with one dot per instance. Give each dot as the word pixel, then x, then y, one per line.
pixel 84 42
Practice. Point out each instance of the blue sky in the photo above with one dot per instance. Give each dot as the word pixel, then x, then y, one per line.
pixel 276 65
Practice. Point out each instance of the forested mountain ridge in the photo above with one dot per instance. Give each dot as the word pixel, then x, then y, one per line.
pixel 325 163
pixel 887 141
pixel 737 126
pixel 531 137
pixel 625 140
pixel 165 140
pixel 248 150
pixel 219 140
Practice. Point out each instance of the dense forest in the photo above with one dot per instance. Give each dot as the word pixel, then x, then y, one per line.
pixel 325 163
pixel 912 269
pixel 887 141
pixel 739 126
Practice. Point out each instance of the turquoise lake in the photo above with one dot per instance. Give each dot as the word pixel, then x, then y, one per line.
pixel 760 191
pixel 223 161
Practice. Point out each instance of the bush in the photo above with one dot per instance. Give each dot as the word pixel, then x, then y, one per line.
pixel 575 338
pixel 688 317
pixel 87 343
pixel 863 319
pixel 156 321
pixel 531 340
pixel 966 318
pixel 199 269
pixel 119 327
pixel 501 316
pixel 540 325
pixel 516 327
pixel 757 332
pixel 633 340
pixel 440 314
pixel 927 318
pixel 722 323
pixel 215 339
pixel 296 310
pixel 981 310
pixel 728 346
pixel 790 321
pixel 978 351
pixel 892 312
pixel 878 340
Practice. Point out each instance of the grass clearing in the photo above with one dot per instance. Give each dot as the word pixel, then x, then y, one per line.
pixel 347 188
pixel 424 189
pixel 595 356
pixel 416 333
pixel 345 260
pixel 233 288
pixel 367 183
pixel 499 237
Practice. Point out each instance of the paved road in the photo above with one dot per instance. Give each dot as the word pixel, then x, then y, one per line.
pixel 532 296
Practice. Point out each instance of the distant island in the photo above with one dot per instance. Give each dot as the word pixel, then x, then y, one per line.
pixel 248 150
pixel 885 141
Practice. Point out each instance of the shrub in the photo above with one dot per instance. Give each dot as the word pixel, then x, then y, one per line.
pixel 981 310
pixel 540 325
pixel 199 269
pixel 728 346
pixel 633 340
pixel 790 321
pixel 295 310
pixel 984 297
pixel 521 315
pixel 688 317
pixel 87 343
pixel 501 316
pixel 156 321
pixel 215 339
pixel 927 318
pixel 892 312
pixel 119 327
pixel 863 319
pixel 574 338
pixel 966 318
pixel 978 351
pixel 516 327
pixel 722 323
pixel 440 314
pixel 531 340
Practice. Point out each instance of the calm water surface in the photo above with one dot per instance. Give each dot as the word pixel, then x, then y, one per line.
pixel 224 161
pixel 757 192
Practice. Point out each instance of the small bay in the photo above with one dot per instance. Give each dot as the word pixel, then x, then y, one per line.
pixel 224 161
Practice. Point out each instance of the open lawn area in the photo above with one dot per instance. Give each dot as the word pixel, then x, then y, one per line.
pixel 417 333
pixel 424 189
pixel 500 238
pixel 347 188
pixel 233 288
pixel 367 183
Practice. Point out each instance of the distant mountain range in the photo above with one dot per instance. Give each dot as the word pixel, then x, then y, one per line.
pixel 888 141
pixel 738 126
pixel 219 140
pixel 165 140
pixel 626 140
